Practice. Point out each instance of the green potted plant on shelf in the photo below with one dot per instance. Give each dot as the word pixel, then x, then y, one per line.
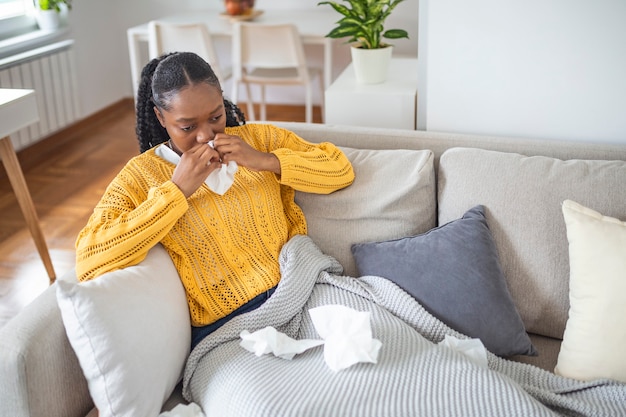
pixel 54 5
pixel 363 23
pixel 48 13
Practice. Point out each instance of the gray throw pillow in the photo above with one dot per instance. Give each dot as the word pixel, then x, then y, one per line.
pixel 454 272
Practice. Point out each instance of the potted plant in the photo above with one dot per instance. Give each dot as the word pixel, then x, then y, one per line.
pixel 238 7
pixel 363 24
pixel 48 12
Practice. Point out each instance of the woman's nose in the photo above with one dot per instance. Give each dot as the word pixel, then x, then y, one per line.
pixel 205 134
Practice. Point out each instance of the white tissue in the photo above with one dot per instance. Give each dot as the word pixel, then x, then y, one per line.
pixel 472 348
pixel 182 410
pixel 346 332
pixel 269 340
pixel 218 181
pixel 347 335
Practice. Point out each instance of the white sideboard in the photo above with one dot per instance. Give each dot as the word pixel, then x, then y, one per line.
pixel 391 104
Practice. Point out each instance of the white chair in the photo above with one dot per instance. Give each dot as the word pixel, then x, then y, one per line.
pixel 166 37
pixel 267 54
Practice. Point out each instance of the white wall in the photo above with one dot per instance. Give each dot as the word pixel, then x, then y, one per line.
pixel 99 29
pixel 532 68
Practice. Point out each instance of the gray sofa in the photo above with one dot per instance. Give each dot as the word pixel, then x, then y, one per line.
pixel 521 183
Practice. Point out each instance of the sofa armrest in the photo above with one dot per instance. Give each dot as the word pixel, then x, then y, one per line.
pixel 39 372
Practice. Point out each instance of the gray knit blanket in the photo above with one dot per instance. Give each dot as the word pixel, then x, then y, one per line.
pixel 414 376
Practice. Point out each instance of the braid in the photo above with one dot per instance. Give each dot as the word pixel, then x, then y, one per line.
pixel 148 128
pixel 161 79
pixel 234 115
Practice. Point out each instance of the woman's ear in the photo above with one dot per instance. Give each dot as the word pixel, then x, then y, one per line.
pixel 159 115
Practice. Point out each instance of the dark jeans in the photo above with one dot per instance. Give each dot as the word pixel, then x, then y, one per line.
pixel 199 333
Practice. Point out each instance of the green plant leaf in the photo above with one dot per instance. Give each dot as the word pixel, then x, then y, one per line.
pixel 340 32
pixel 396 34
pixel 338 7
pixel 363 22
pixel 54 4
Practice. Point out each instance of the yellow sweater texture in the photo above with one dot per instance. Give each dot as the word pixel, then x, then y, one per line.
pixel 225 248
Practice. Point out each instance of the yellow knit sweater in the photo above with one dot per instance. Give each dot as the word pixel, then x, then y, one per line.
pixel 225 248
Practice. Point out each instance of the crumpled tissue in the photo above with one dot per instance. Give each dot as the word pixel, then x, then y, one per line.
pixel 270 340
pixel 182 410
pixel 221 179
pixel 346 333
pixel 218 181
pixel 472 348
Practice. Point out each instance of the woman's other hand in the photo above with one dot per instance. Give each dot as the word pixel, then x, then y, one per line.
pixel 233 148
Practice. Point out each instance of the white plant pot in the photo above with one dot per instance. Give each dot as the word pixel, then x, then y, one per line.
pixel 48 19
pixel 371 66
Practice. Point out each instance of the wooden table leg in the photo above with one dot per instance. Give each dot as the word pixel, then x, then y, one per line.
pixel 16 178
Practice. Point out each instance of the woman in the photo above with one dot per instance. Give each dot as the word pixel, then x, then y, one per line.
pixel 225 244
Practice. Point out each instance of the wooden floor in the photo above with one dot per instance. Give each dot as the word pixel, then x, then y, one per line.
pixel 66 175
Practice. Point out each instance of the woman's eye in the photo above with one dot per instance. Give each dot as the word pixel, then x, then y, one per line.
pixel 216 118
pixel 186 128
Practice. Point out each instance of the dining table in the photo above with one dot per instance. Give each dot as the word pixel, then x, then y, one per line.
pixel 313 26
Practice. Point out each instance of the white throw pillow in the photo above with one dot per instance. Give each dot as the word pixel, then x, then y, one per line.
pixel 131 332
pixel 595 337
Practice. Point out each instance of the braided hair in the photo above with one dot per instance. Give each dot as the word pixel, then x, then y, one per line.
pixel 161 79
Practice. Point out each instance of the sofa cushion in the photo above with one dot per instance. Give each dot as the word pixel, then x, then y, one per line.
pixel 393 195
pixel 454 272
pixel 522 196
pixel 131 332
pixel 595 336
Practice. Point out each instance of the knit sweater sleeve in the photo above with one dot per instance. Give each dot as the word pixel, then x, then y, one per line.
pixel 129 220
pixel 316 168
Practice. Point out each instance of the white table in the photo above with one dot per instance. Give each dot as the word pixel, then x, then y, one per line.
pixel 391 104
pixel 313 26
pixel 18 109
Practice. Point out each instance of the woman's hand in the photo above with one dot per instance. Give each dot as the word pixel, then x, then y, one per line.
pixel 194 167
pixel 233 148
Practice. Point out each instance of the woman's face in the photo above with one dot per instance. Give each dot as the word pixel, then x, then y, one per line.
pixel 196 114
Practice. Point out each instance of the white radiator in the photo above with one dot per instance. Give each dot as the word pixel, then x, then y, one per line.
pixel 51 72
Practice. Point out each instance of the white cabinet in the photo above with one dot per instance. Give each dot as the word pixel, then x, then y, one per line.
pixel 391 104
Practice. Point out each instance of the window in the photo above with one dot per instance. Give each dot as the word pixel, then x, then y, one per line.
pixel 16 18
pixel 11 8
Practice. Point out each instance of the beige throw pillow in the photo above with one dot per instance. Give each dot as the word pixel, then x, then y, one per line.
pixel 522 196
pixel 393 195
pixel 594 343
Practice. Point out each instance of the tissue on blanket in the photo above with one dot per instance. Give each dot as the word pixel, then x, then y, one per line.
pixel 182 410
pixel 269 340
pixel 472 348
pixel 346 332
pixel 347 336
